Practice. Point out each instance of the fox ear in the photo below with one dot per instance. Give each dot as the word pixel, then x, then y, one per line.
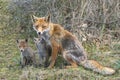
pixel 47 19
pixel 34 18
pixel 17 41
pixel 26 40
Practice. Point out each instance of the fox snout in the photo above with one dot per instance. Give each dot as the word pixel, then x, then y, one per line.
pixel 39 33
pixel 21 50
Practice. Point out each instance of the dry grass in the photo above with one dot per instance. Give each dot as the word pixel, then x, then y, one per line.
pixel 10 70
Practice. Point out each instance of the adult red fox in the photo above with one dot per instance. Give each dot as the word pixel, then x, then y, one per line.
pixel 27 54
pixel 68 44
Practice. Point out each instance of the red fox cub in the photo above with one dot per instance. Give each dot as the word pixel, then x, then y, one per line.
pixel 27 54
pixel 44 47
pixel 68 44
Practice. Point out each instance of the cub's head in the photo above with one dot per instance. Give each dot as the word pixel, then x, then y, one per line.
pixel 40 24
pixel 22 44
pixel 43 40
pixel 37 40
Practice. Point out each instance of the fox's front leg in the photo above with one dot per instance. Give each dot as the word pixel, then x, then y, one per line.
pixel 34 60
pixel 46 62
pixel 23 61
pixel 40 60
pixel 49 52
pixel 53 56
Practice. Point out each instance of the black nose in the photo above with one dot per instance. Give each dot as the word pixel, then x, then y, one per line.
pixel 39 33
pixel 21 50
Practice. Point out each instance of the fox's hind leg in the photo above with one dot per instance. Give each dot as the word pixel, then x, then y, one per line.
pixel 73 65
pixel 69 59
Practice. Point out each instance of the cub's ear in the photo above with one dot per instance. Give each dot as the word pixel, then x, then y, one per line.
pixel 47 18
pixel 35 39
pixel 34 18
pixel 26 40
pixel 17 41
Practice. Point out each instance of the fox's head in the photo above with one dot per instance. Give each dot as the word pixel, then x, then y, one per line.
pixel 41 24
pixel 22 44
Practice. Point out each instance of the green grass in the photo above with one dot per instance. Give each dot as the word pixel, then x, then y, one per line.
pixel 10 69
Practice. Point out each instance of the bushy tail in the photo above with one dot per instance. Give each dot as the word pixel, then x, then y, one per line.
pixel 95 66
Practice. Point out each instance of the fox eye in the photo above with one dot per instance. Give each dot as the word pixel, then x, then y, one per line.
pixel 43 26
pixel 36 26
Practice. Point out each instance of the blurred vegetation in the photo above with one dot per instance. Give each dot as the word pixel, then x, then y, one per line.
pixel 102 17
pixel 95 22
